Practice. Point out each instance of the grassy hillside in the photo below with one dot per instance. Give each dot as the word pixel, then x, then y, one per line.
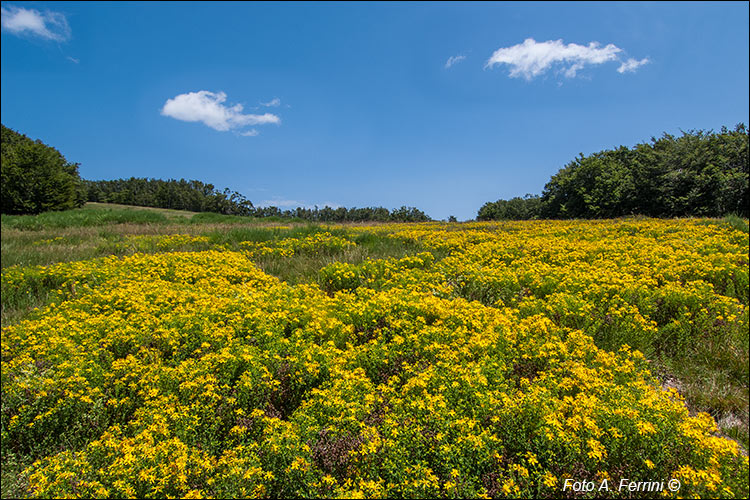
pixel 92 205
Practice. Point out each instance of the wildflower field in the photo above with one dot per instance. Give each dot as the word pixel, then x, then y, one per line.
pixel 396 360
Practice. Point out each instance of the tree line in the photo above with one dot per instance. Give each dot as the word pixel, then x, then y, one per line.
pixel 37 178
pixel 696 174
pixel 191 195
pixel 197 196
pixel 343 214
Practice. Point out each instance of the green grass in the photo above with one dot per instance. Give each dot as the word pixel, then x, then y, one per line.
pixel 18 306
pixel 305 267
pixel 47 246
pixel 208 217
pixel 103 214
pixel 168 212
pixel 737 222
pixel 82 217
pixel 15 483
pixel 712 375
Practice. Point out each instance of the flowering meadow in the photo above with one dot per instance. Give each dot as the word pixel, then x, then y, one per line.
pixel 491 360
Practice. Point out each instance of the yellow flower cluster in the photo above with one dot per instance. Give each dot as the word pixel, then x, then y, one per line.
pixel 469 370
pixel 323 242
pixel 128 244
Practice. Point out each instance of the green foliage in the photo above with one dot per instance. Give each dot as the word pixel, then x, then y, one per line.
pixel 408 214
pixel 192 195
pixel 343 214
pixel 82 217
pixel 699 174
pixel 35 177
pixel 702 174
pixel 737 222
pixel 526 208
pixel 199 197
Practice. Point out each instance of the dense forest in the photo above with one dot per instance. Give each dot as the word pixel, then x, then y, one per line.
pixel 697 174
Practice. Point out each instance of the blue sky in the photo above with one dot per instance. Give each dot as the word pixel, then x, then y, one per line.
pixel 442 106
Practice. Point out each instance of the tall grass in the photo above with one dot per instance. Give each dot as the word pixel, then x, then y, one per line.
pixel 82 217
pixel 737 222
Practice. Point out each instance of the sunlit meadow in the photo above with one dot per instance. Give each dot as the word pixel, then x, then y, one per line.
pixel 392 360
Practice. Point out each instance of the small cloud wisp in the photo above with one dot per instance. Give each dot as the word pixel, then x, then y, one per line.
pixel 453 60
pixel 631 65
pixel 48 25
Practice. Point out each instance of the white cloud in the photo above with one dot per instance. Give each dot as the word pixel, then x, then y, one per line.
pixel 250 133
pixel 73 60
pixel 453 60
pixel 48 25
pixel 208 108
pixel 631 65
pixel 531 58
pixel 275 102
